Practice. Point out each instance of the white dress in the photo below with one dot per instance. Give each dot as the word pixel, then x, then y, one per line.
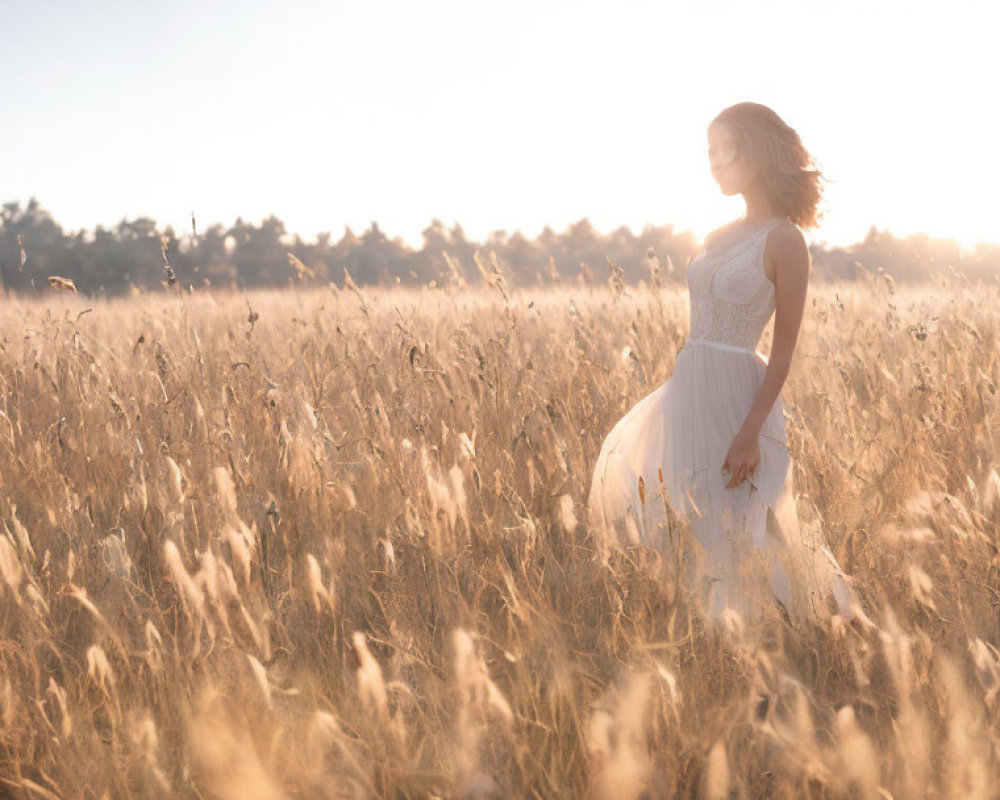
pixel 747 540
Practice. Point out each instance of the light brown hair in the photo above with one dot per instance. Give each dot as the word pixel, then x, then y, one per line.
pixel 789 173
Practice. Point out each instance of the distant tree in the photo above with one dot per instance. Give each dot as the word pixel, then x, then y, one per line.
pixel 259 256
pixel 41 240
pixel 247 255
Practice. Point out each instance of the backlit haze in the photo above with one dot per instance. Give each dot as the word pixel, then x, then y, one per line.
pixel 512 115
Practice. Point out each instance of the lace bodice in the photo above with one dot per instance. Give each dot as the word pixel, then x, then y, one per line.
pixel 731 297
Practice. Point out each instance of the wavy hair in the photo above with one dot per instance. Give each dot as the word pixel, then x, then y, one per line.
pixel 790 175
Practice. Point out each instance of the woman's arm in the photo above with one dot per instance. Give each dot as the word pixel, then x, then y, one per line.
pixel 789 257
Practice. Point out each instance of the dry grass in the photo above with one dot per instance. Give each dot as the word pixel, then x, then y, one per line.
pixel 337 549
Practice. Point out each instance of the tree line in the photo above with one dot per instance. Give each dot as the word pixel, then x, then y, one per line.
pixel 139 254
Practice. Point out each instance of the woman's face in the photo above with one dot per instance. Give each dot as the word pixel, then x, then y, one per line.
pixel 731 168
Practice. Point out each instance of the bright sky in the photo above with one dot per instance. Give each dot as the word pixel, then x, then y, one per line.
pixel 493 115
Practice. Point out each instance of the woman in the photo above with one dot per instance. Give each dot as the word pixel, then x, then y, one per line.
pixel 715 430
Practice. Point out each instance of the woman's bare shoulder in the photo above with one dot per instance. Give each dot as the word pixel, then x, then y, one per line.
pixel 787 244
pixel 787 235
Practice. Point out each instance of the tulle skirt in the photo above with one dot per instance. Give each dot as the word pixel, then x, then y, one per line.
pixel 745 545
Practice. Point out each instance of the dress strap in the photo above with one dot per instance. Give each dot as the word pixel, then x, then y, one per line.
pixel 748 237
pixel 769 226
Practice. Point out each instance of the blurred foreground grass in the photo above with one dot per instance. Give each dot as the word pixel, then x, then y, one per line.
pixel 333 544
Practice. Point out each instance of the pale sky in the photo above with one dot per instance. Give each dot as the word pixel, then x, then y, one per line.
pixel 494 115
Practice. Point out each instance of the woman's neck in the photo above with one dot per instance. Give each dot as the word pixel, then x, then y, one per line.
pixel 758 208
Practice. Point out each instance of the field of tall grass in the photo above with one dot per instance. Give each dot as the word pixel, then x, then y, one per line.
pixel 333 544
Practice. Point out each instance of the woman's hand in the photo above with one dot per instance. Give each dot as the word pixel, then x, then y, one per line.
pixel 742 458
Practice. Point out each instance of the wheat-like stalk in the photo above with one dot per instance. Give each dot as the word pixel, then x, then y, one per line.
pixel 325 543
